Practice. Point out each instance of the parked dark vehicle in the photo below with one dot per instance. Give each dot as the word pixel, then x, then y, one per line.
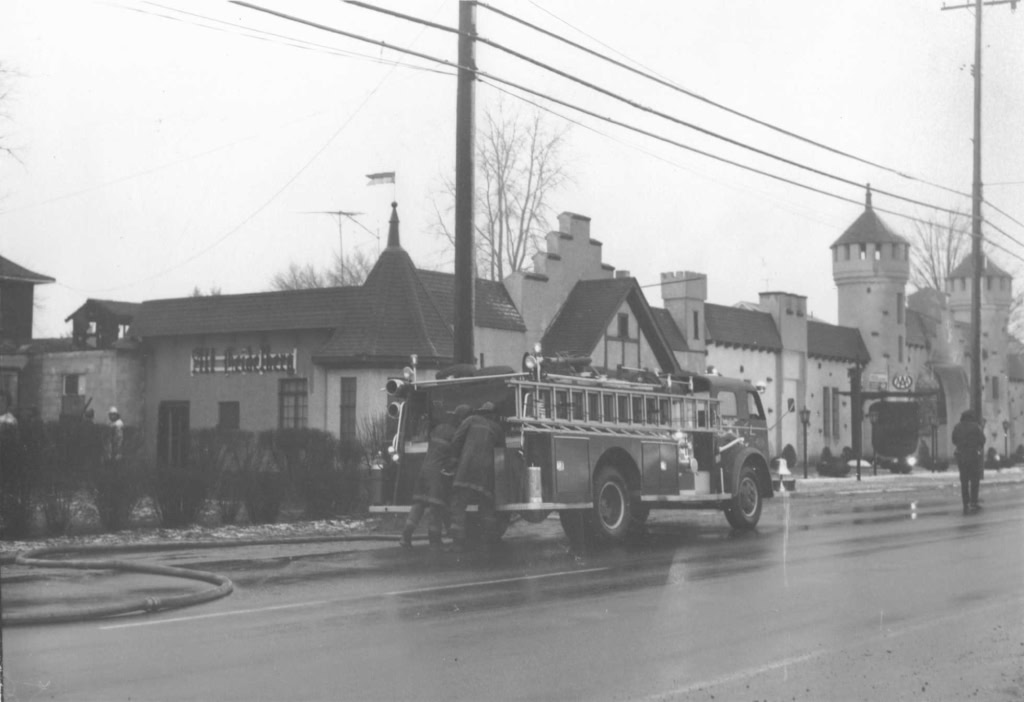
pixel 894 434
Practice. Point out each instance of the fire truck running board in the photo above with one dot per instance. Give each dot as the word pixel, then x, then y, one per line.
pixel 684 499
pixel 515 507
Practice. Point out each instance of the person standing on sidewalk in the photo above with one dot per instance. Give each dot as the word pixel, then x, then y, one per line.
pixel 430 496
pixel 969 440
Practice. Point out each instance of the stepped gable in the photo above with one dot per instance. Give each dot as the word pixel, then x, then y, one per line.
pixel 868 228
pixel 396 317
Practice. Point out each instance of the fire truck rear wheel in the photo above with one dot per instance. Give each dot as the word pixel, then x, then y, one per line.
pixel 744 511
pixel 613 509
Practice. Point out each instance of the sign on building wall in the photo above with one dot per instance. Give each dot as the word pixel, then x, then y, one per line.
pixel 206 360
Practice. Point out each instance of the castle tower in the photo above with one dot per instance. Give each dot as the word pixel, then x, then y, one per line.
pixel 871 267
pixel 996 297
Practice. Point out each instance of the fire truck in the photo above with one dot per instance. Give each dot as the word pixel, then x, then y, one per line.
pixel 601 449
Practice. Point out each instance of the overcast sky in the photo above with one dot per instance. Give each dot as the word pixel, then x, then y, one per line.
pixel 167 145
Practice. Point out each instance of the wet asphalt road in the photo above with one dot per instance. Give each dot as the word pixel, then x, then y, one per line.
pixel 873 597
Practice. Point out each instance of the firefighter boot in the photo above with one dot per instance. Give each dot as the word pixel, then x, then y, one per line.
pixel 406 540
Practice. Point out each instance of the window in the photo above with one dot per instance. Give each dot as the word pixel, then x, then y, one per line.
pixel 293 401
pixel 995 388
pixel 835 413
pixel 754 408
pixel 863 251
pixel 899 349
pixel 696 325
pixel 347 409
pixel 826 412
pixel 73 384
pixel 899 308
pixel 878 252
pixel 623 325
pixel 727 405
pixel 228 415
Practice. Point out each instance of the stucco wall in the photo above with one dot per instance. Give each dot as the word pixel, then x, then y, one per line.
pixel 108 377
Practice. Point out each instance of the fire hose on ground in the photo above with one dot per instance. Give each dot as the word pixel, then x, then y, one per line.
pixel 44 558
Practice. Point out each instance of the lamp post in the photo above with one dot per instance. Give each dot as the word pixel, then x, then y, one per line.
pixel 1006 440
pixel 873 417
pixel 805 419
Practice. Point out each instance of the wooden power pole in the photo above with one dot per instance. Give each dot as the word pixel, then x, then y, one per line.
pixel 465 271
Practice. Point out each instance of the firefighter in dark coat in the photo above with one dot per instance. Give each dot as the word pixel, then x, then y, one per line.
pixel 969 440
pixel 475 441
pixel 430 495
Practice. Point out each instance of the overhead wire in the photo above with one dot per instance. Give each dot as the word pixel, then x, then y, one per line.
pixel 643 108
pixel 252 215
pixel 697 96
pixel 485 75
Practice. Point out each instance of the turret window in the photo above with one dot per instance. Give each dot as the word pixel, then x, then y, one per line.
pixel 899 308
pixel 863 252
pixel 878 252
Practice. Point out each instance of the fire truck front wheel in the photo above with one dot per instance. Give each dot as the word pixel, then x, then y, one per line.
pixel 613 514
pixel 744 509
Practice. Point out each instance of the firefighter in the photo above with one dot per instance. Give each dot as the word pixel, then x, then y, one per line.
pixel 433 483
pixel 474 442
pixel 969 440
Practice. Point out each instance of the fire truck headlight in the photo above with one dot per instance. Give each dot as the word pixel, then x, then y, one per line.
pixel 678 436
pixel 408 373
pixel 394 409
pixel 530 362
pixel 911 461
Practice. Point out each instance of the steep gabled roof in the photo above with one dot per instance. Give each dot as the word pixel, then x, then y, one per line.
pixel 397 316
pixel 735 326
pixel 833 342
pixel 11 271
pixel 317 308
pixel 588 311
pixel 868 228
pixel 494 308
pixel 123 312
pixel 965 269
pixel 669 329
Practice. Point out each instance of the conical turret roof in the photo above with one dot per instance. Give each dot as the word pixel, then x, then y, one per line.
pixel 869 228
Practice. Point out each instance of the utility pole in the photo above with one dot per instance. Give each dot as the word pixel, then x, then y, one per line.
pixel 977 254
pixel 465 100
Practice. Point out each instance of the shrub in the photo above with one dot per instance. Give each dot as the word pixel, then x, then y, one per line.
pixel 16 474
pixel 309 458
pixel 180 492
pixel 116 485
pixel 229 489
pixel 72 454
pixel 262 485
pixel 837 467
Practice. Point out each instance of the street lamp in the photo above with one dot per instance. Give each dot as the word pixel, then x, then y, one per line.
pixel 1006 440
pixel 805 419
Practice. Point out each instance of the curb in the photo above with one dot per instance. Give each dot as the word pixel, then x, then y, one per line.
pixel 817 486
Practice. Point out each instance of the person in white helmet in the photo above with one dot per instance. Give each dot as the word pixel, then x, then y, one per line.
pixel 115 437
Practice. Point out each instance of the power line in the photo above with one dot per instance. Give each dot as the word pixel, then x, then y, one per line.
pixel 643 108
pixel 697 96
pixel 484 75
pixel 1005 214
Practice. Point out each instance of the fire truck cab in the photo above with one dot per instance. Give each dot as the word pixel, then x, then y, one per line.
pixel 601 451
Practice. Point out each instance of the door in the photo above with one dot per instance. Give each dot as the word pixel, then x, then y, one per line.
pixel 172 434
pixel 661 469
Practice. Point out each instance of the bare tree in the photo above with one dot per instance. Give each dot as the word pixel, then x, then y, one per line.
pixel 520 165
pixel 937 248
pixel 350 270
pixel 214 291
pixel 6 74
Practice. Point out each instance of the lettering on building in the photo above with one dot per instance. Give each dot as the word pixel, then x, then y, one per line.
pixel 207 361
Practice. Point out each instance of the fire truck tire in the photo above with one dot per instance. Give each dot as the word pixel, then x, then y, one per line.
pixel 613 508
pixel 744 510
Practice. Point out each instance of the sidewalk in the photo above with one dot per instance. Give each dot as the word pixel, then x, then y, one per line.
pixel 892 482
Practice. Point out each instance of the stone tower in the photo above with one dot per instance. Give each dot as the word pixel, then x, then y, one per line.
pixel 996 297
pixel 871 267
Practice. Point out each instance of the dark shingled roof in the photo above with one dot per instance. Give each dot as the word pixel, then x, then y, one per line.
pixel 965 269
pixel 494 308
pixel 734 326
pixel 669 329
pixel 124 312
pixel 920 328
pixel 590 308
pixel 9 270
pixel 585 316
pixel 317 308
pixel 868 228
pixel 833 342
